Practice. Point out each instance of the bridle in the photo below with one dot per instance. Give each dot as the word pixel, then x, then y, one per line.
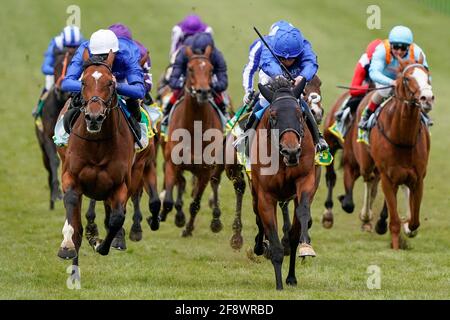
pixel 413 100
pixel 191 90
pixel 106 103
pixel 300 133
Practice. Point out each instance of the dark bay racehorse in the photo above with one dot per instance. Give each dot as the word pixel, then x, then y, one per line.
pixel 194 111
pixel 399 149
pixel 52 106
pixel 294 179
pixel 98 159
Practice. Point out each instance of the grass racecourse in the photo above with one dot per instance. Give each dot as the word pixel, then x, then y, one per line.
pixel 164 265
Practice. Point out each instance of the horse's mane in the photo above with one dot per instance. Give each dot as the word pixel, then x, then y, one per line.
pixel 279 83
pixel 95 59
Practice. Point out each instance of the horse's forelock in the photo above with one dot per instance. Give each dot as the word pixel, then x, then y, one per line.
pixel 279 83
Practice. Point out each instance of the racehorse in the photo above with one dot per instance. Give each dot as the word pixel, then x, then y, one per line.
pixel 193 110
pixel 98 159
pixel 294 179
pixel 399 150
pixel 52 106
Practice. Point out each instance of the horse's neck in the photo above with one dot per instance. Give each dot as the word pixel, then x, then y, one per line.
pixel 404 124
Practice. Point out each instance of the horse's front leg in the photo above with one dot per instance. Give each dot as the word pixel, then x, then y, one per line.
pixel 170 173
pixel 53 161
pixel 136 229
pixel 91 227
pixel 330 177
pixel 216 225
pixel 390 194
pixel 415 198
pixel 150 183
pixel 117 204
pixel 180 218
pixel 267 213
pixel 194 208
pixel 73 229
pixel 234 173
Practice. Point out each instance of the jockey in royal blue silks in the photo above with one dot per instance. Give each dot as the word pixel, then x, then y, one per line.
pixel 69 37
pixel 198 43
pixel 296 54
pixel 126 70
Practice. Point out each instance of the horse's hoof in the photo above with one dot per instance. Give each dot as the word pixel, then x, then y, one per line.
pixel 366 227
pixel 153 223
pixel 346 205
pixel 306 250
pixel 155 206
pixel 216 225
pixel 119 244
pixel 381 227
pixel 102 248
pixel 186 233
pixel 163 216
pixel 291 281
pixel 236 241
pixel 167 206
pixel 327 220
pixel 67 253
pixel 408 232
pixel 135 233
pixel 52 205
pixel 251 255
pixel 180 219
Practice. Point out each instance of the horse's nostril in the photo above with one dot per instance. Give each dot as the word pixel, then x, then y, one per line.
pixel 423 98
pixel 432 98
pixel 100 118
pixel 88 117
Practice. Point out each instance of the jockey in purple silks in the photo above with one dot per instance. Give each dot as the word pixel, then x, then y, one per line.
pixel 190 25
pixel 122 31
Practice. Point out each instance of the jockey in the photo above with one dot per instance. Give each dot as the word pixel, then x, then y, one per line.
pixel 361 80
pixel 69 37
pixel 254 58
pixel 191 25
pixel 122 31
pixel 125 68
pixel 296 54
pixel 383 69
pixel 198 43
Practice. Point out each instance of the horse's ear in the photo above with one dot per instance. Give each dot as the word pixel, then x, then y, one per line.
pixel 189 52
pixel 266 92
pixel 208 51
pixel 298 89
pixel 421 58
pixel 143 60
pixel 110 59
pixel 85 54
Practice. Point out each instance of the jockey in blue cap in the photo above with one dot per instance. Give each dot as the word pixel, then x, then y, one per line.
pixel 198 43
pixel 69 37
pixel 384 65
pixel 296 54
pixel 126 70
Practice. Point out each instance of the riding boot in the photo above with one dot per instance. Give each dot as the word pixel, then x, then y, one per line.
pixel 319 141
pixel 37 111
pixel 364 122
pixel 135 119
pixel 166 112
pixel 73 111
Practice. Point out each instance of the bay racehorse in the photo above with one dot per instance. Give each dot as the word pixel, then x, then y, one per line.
pixel 44 127
pixel 295 177
pixel 98 159
pixel 399 150
pixel 191 118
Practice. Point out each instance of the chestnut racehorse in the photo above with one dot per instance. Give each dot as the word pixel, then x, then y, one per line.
pixel 294 179
pixel 98 159
pixel 194 111
pixel 399 149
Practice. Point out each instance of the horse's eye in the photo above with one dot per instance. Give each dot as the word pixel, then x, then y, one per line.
pixel 110 83
pixel 83 83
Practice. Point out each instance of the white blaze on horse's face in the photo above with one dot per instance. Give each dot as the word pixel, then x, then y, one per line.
pixel 426 94
pixel 97 75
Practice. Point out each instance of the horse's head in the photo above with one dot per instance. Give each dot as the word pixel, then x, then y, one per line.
pixel 199 74
pixel 314 99
pixel 413 84
pixel 285 116
pixel 98 89
pixel 62 61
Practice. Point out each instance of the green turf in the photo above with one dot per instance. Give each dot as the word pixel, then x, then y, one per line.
pixel 166 266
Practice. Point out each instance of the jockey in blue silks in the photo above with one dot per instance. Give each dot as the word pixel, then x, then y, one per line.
pixel 296 54
pixel 125 68
pixel 69 37
pixel 198 43
pixel 384 66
